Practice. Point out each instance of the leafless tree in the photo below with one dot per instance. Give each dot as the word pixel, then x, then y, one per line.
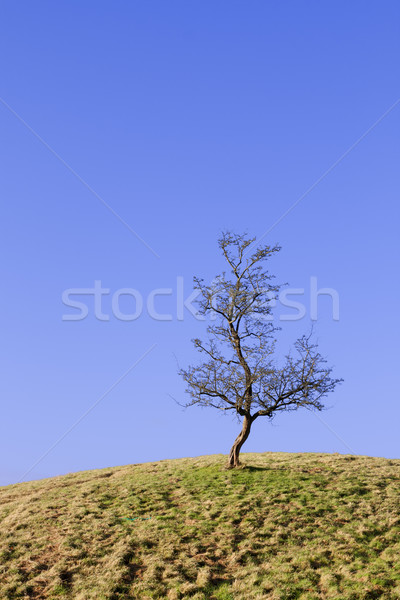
pixel 239 372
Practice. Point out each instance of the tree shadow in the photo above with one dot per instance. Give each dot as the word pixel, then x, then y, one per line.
pixel 253 469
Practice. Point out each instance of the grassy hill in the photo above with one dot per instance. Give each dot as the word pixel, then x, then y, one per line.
pixel 287 526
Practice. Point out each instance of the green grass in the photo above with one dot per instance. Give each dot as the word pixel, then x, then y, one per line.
pixel 285 527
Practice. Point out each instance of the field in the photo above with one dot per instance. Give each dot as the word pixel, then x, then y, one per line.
pixel 287 526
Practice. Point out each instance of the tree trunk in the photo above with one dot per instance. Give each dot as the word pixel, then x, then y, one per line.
pixel 238 443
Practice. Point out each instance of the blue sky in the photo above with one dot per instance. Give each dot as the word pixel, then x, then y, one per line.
pixel 187 119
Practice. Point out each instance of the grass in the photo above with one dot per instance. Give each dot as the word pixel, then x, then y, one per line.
pixel 287 526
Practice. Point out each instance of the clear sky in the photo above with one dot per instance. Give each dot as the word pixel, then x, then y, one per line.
pixel 185 119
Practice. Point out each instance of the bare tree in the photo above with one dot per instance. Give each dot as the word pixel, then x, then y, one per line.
pixel 239 372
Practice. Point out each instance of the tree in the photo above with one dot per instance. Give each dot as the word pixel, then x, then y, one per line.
pixel 239 372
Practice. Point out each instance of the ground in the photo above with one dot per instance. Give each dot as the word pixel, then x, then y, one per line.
pixel 287 526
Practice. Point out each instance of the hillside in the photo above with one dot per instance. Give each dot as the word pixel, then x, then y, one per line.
pixel 287 526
